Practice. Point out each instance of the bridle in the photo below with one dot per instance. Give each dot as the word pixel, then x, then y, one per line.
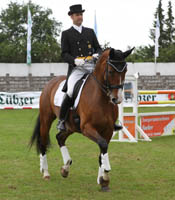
pixel 110 63
pixel 107 88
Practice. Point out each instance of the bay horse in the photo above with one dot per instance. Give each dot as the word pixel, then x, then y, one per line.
pixel 97 111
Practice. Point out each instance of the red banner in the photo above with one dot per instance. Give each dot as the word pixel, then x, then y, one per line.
pixel 129 123
pixel 158 125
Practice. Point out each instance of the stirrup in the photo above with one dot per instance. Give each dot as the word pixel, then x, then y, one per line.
pixel 61 125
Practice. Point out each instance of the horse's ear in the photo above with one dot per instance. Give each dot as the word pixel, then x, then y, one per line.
pixel 127 53
pixel 111 53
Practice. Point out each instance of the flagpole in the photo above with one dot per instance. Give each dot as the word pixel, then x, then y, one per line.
pixel 155 60
pixel 155 64
pixel 95 24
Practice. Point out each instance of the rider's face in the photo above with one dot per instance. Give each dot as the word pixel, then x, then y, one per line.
pixel 77 18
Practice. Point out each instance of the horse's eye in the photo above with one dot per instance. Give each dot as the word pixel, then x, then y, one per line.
pixel 111 72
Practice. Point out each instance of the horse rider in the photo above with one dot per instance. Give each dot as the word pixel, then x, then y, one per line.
pixel 77 43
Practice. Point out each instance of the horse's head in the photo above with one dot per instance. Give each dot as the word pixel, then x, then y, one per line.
pixel 115 68
pixel 115 71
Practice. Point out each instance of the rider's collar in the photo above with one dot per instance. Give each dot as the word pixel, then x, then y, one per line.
pixel 78 28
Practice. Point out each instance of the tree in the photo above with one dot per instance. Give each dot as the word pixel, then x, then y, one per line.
pixel 13 34
pixel 142 54
pixel 167 54
pixel 166 39
pixel 170 30
pixel 106 45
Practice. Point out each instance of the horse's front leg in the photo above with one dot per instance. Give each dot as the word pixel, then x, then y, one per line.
pixel 61 138
pixel 103 172
pixel 104 165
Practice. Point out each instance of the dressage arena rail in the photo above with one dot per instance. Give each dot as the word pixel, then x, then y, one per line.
pixel 151 124
pixel 157 92
pixel 156 102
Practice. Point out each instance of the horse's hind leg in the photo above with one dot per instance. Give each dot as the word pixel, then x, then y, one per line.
pixel 44 141
pixel 61 138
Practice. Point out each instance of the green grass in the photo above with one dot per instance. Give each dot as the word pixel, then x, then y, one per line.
pixel 142 171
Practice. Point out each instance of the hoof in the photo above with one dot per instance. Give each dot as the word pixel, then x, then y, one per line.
pixel 64 173
pixel 105 189
pixel 104 183
pixel 46 178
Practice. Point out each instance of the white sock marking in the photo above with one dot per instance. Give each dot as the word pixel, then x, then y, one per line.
pixel 105 162
pixel 65 154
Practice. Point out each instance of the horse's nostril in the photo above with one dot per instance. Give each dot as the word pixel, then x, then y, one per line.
pixel 114 100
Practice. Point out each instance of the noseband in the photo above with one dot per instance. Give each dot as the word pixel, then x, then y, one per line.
pixel 107 88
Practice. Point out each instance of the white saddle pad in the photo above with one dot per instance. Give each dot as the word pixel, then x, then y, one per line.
pixel 59 95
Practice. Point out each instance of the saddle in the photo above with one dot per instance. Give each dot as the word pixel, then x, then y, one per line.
pixel 77 88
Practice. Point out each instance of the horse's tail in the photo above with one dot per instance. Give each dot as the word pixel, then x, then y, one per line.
pixel 36 137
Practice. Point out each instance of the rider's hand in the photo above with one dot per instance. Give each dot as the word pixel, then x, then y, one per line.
pixel 79 62
pixel 95 55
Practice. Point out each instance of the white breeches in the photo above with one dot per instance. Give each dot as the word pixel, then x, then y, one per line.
pixel 76 75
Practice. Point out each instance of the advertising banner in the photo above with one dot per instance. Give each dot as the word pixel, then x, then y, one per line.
pixel 21 100
pixel 158 125
pixel 156 97
pixel 31 99
pixel 129 123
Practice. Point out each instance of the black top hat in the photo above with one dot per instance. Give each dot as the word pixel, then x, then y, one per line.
pixel 75 9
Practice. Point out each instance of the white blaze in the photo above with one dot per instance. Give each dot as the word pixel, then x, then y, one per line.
pixel 120 92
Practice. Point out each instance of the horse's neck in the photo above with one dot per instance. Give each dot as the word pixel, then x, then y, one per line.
pixel 98 96
pixel 99 82
pixel 99 73
pixel 100 67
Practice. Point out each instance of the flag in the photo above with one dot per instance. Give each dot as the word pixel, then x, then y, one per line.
pixel 29 33
pixel 157 35
pixel 95 24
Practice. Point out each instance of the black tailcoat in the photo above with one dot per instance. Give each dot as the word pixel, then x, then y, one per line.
pixel 75 44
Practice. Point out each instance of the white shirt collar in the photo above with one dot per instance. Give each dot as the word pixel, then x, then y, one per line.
pixel 78 28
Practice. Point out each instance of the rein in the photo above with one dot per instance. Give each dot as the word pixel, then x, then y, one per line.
pixel 102 86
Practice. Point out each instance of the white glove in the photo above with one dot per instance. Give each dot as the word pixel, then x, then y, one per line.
pixel 79 62
pixel 95 55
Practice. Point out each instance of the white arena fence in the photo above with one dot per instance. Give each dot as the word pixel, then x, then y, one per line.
pixel 151 123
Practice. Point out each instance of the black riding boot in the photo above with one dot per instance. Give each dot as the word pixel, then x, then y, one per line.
pixel 117 127
pixel 65 106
